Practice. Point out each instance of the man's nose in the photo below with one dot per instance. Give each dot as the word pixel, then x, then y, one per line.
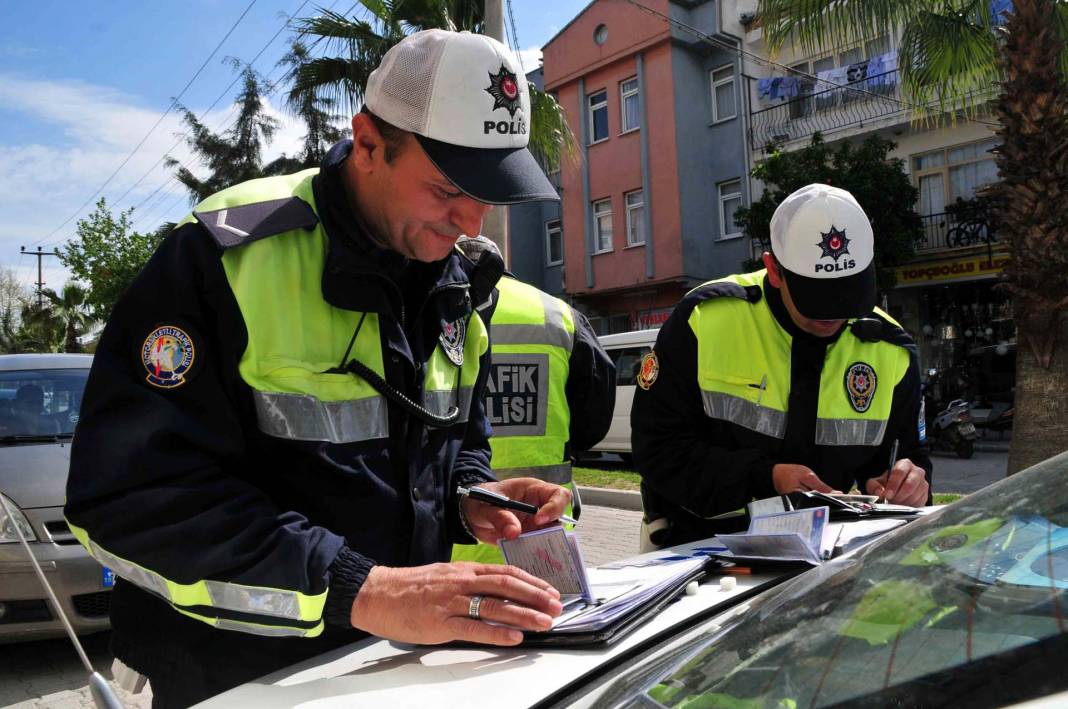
pixel 467 215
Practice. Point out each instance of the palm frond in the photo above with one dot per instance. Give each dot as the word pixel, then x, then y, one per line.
pixel 818 25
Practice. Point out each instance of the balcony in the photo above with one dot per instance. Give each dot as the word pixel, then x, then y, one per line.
pixel 856 104
pixel 946 231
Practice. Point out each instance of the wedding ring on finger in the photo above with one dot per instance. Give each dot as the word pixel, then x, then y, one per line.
pixel 473 608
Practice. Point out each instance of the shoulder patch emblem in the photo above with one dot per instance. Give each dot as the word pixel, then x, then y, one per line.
pixel 860 384
pixel 649 370
pixel 452 340
pixel 167 354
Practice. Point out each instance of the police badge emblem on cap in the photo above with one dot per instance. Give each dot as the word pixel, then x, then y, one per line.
pixel 452 340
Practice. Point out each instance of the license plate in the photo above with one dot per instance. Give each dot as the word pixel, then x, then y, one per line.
pixel 967 428
pixel 108 578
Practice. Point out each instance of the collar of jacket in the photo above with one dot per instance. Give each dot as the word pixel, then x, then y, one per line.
pixel 361 275
pixel 773 297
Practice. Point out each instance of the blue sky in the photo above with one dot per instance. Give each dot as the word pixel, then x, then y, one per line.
pixel 82 83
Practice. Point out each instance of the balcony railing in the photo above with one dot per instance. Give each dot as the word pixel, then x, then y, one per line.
pixel 862 101
pixel 944 231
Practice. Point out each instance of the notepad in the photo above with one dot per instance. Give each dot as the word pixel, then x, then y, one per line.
pixel 551 554
pixel 801 535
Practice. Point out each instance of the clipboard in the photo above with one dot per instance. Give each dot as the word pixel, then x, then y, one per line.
pixel 622 625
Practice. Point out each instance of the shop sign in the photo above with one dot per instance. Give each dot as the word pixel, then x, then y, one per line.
pixel 648 319
pixel 970 268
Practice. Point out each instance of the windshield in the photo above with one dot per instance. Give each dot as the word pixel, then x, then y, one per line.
pixel 970 603
pixel 40 402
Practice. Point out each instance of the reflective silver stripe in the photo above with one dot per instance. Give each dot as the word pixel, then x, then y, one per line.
pixel 530 335
pixel 148 580
pixel 553 333
pixel 227 596
pixel 849 432
pixel 303 417
pixel 744 413
pixel 559 473
pixel 439 402
pixel 268 630
pixel 283 604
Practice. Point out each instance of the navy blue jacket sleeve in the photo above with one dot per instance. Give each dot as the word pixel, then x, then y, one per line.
pixel 590 389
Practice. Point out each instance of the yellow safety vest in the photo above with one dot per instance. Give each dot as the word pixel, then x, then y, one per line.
pixel 743 371
pixel 533 334
pixel 277 284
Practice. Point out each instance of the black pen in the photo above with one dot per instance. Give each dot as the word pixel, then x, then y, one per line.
pixel 498 500
pixel 893 459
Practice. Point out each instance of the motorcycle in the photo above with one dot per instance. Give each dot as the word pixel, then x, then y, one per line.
pixel 950 427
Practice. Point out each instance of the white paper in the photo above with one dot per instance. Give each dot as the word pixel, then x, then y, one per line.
pixel 550 555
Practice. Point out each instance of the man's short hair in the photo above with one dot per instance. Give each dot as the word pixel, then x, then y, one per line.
pixel 392 135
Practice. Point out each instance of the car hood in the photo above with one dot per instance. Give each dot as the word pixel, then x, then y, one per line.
pixel 35 474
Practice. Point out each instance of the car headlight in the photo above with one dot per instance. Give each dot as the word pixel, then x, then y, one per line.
pixel 7 523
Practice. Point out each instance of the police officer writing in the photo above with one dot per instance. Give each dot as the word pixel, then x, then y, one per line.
pixel 551 388
pixel 781 380
pixel 286 400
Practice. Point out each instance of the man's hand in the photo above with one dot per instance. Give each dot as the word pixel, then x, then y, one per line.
pixel 490 524
pixel 905 484
pixel 789 477
pixel 429 604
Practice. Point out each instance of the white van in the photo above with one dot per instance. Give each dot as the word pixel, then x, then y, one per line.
pixel 626 350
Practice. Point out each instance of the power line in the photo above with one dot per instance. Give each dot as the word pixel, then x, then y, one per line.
pixel 515 39
pixel 174 102
pixel 797 72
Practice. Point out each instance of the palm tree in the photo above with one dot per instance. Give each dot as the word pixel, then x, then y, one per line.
pixel 71 312
pixel 952 53
pixel 341 80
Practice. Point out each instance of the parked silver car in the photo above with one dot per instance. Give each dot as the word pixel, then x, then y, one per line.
pixel 40 395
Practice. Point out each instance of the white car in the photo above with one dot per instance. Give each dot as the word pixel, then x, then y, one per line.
pixel 626 350
pixel 40 395
pixel 967 606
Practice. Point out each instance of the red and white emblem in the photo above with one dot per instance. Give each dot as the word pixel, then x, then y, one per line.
pixel 649 370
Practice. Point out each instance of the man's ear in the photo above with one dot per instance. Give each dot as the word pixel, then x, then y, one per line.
pixel 774 276
pixel 368 146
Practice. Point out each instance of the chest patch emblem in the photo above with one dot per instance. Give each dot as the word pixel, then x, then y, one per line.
pixel 649 370
pixel 452 340
pixel 167 355
pixel 860 384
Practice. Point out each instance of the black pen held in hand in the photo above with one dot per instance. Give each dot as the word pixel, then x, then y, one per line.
pixel 498 500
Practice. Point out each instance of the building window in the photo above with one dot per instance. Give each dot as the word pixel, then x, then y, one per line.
pixel 830 91
pixel 598 116
pixel 724 104
pixel 602 226
pixel 958 172
pixel 554 243
pixel 600 34
pixel 730 199
pixel 628 101
pixel 635 218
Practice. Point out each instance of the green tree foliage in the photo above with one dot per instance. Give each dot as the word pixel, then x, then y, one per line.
pixel 358 46
pixel 40 329
pixel 235 155
pixel 107 254
pixel 70 309
pixel 13 297
pixel 879 184
pixel 317 113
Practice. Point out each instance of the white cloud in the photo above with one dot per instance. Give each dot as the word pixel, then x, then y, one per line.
pixel 92 130
pixel 529 58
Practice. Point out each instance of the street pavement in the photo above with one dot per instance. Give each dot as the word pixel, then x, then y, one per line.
pixel 47 674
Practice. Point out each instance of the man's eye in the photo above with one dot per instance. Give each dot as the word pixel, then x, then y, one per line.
pixel 445 194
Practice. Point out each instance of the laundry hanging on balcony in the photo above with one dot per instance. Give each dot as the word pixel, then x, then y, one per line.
pixel 998 11
pixel 778 88
pixel 882 72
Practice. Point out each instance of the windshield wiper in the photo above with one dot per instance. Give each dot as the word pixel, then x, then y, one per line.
pixel 37 438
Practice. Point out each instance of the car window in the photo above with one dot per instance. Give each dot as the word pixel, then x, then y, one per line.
pixel 628 361
pixel 40 402
pixel 967 606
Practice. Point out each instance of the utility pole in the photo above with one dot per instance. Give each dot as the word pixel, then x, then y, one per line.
pixel 40 282
pixel 495 225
